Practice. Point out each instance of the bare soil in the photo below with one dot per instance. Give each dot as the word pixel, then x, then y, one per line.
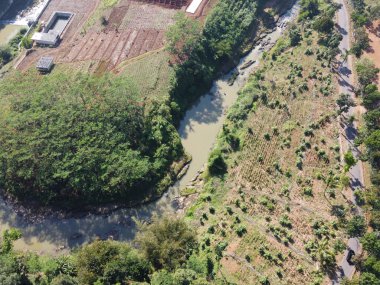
pixel 132 29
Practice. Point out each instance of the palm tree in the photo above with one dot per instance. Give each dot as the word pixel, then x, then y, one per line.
pixel 325 255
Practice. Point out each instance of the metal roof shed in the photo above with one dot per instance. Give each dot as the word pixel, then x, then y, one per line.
pixel 45 64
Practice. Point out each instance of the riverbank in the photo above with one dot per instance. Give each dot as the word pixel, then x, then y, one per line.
pixel 34 213
pixel 198 131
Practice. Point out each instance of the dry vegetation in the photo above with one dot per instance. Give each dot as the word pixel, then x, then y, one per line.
pixel 273 212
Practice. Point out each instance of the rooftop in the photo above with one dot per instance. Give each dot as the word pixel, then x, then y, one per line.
pixel 45 63
pixel 50 37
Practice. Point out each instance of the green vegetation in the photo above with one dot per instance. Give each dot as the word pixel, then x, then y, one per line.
pixel 99 140
pixel 361 16
pixel 167 253
pixel 92 141
pixel 368 263
pixel 166 244
pixel 8 52
pixel 367 73
pixel 199 56
pixel 277 206
pixel 97 15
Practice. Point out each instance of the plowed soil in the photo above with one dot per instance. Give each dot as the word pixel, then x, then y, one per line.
pixel 133 28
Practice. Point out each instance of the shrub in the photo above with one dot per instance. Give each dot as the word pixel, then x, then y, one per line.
pixel 359 197
pixel 216 163
pixel 229 210
pixel 285 222
pixel 166 242
pixel 294 35
pixel 308 191
pixel 356 226
pixel 367 72
pixel 241 230
pixel 64 280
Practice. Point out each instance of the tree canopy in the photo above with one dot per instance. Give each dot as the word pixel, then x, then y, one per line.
pixel 91 140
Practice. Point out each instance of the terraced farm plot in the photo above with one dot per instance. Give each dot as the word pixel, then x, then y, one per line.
pixel 131 29
pixel 175 4
pixel 279 204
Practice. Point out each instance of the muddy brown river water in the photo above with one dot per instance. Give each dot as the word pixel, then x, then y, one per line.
pixel 8 32
pixel 198 131
pixel 17 17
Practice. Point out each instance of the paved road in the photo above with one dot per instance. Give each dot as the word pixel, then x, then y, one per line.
pixel 350 132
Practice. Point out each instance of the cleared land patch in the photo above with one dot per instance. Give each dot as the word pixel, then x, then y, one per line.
pixel 124 31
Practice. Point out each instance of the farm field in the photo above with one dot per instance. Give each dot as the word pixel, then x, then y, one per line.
pixel 106 32
pixel 278 206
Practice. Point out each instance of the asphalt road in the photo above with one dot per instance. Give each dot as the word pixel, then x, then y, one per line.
pixel 345 79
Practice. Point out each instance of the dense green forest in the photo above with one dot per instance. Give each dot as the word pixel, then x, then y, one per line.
pixel 220 40
pixel 89 141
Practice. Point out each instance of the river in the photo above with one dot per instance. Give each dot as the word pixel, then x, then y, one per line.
pixel 198 131
pixel 18 16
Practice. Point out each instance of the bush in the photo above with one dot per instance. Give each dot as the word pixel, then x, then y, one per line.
pixel 359 197
pixel 324 24
pixel 216 163
pixel 11 271
pixel 162 277
pixel 361 42
pixel 166 242
pixel 367 72
pixel 110 262
pixel 375 220
pixel 5 55
pixel 64 280
pixel 356 227
pixel 308 191
pixel 309 9
pixel 294 35
pixel 241 230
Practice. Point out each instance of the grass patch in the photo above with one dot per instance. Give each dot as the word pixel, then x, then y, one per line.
pixel 188 191
pixel 103 6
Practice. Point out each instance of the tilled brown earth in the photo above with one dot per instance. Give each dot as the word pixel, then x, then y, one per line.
pixel 133 28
